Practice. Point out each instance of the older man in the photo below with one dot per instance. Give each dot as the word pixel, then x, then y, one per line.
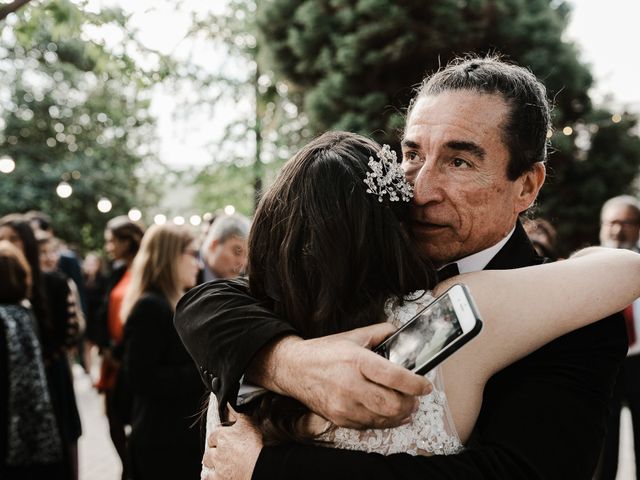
pixel 224 250
pixel 620 228
pixel 474 147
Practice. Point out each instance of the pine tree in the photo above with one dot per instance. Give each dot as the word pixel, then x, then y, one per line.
pixel 355 63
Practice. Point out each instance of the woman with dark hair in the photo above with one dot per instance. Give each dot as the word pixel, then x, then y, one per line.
pixel 30 444
pixel 328 252
pixel 50 301
pixel 122 241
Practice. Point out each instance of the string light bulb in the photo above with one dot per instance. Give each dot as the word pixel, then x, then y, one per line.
pixel 7 164
pixel 134 214
pixel 104 205
pixel 64 190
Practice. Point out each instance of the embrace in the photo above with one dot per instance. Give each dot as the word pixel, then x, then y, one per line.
pixel 336 263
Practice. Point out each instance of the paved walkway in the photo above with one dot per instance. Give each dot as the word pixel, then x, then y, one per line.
pixel 99 461
pixel 98 457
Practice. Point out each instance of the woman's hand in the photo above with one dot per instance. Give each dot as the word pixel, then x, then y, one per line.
pixel 232 452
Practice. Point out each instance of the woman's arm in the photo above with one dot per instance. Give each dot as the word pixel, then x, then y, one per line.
pixel 523 309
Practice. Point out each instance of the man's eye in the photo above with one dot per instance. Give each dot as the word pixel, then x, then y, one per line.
pixel 458 162
pixel 411 156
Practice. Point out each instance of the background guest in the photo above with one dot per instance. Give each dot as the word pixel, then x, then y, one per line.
pixel 30 444
pixel 67 261
pixel 166 388
pixel 95 285
pixel 224 250
pixel 49 298
pixel 620 228
pixel 122 240
pixel 543 237
pixel 48 250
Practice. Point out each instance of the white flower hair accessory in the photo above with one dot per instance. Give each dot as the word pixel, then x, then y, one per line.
pixel 387 178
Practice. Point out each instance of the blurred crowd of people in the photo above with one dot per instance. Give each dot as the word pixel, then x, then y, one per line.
pixel 58 309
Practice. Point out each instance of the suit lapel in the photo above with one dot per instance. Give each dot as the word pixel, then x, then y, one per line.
pixel 517 252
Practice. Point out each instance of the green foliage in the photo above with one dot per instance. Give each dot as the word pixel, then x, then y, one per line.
pixel 260 136
pixel 354 64
pixel 580 180
pixel 74 110
pixel 226 184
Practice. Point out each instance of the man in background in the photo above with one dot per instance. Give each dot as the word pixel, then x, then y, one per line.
pixel 224 250
pixel 620 228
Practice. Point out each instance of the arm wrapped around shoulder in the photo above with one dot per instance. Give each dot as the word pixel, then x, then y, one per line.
pixel 223 327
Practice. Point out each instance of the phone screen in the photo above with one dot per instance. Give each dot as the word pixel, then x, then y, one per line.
pixel 424 336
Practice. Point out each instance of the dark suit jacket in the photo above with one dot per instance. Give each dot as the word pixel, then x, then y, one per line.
pixel 167 393
pixel 542 417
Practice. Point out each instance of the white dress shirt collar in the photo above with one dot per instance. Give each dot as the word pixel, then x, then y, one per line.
pixel 479 260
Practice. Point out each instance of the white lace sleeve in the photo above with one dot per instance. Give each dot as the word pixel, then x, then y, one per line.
pixel 431 432
pixel 213 420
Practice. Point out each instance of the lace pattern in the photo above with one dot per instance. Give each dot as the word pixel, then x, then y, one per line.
pixel 432 431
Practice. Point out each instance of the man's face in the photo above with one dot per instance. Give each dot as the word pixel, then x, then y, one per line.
pixel 49 256
pixel 619 228
pixel 453 153
pixel 229 258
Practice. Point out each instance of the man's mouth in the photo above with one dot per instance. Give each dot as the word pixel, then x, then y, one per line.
pixel 421 227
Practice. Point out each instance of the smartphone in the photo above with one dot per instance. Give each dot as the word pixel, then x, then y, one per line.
pixel 435 332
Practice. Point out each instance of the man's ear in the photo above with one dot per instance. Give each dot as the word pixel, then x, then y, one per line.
pixel 530 183
pixel 214 244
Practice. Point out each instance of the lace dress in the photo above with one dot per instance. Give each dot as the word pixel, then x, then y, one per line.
pixel 432 431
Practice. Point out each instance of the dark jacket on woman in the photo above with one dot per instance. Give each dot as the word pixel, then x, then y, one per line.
pixel 58 470
pixel 101 329
pixel 167 394
pixel 95 293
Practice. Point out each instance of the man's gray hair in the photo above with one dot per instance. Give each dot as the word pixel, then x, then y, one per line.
pixel 624 200
pixel 225 227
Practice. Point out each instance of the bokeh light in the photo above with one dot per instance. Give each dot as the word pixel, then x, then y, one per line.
pixel 7 165
pixel 64 190
pixel 134 214
pixel 104 205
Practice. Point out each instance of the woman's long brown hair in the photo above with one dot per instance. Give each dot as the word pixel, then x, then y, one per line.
pixel 326 255
pixel 155 266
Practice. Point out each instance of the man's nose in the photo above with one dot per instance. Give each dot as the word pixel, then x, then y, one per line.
pixel 428 185
pixel 616 230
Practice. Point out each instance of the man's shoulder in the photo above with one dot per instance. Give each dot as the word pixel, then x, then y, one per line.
pixel 598 348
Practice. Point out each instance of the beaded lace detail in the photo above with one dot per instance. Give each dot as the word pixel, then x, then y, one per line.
pixel 432 431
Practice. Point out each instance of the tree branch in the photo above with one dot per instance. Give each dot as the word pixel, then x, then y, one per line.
pixel 12 7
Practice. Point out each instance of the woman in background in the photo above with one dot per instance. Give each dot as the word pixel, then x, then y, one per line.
pixel 50 302
pixel 122 240
pixel 167 390
pixel 30 445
